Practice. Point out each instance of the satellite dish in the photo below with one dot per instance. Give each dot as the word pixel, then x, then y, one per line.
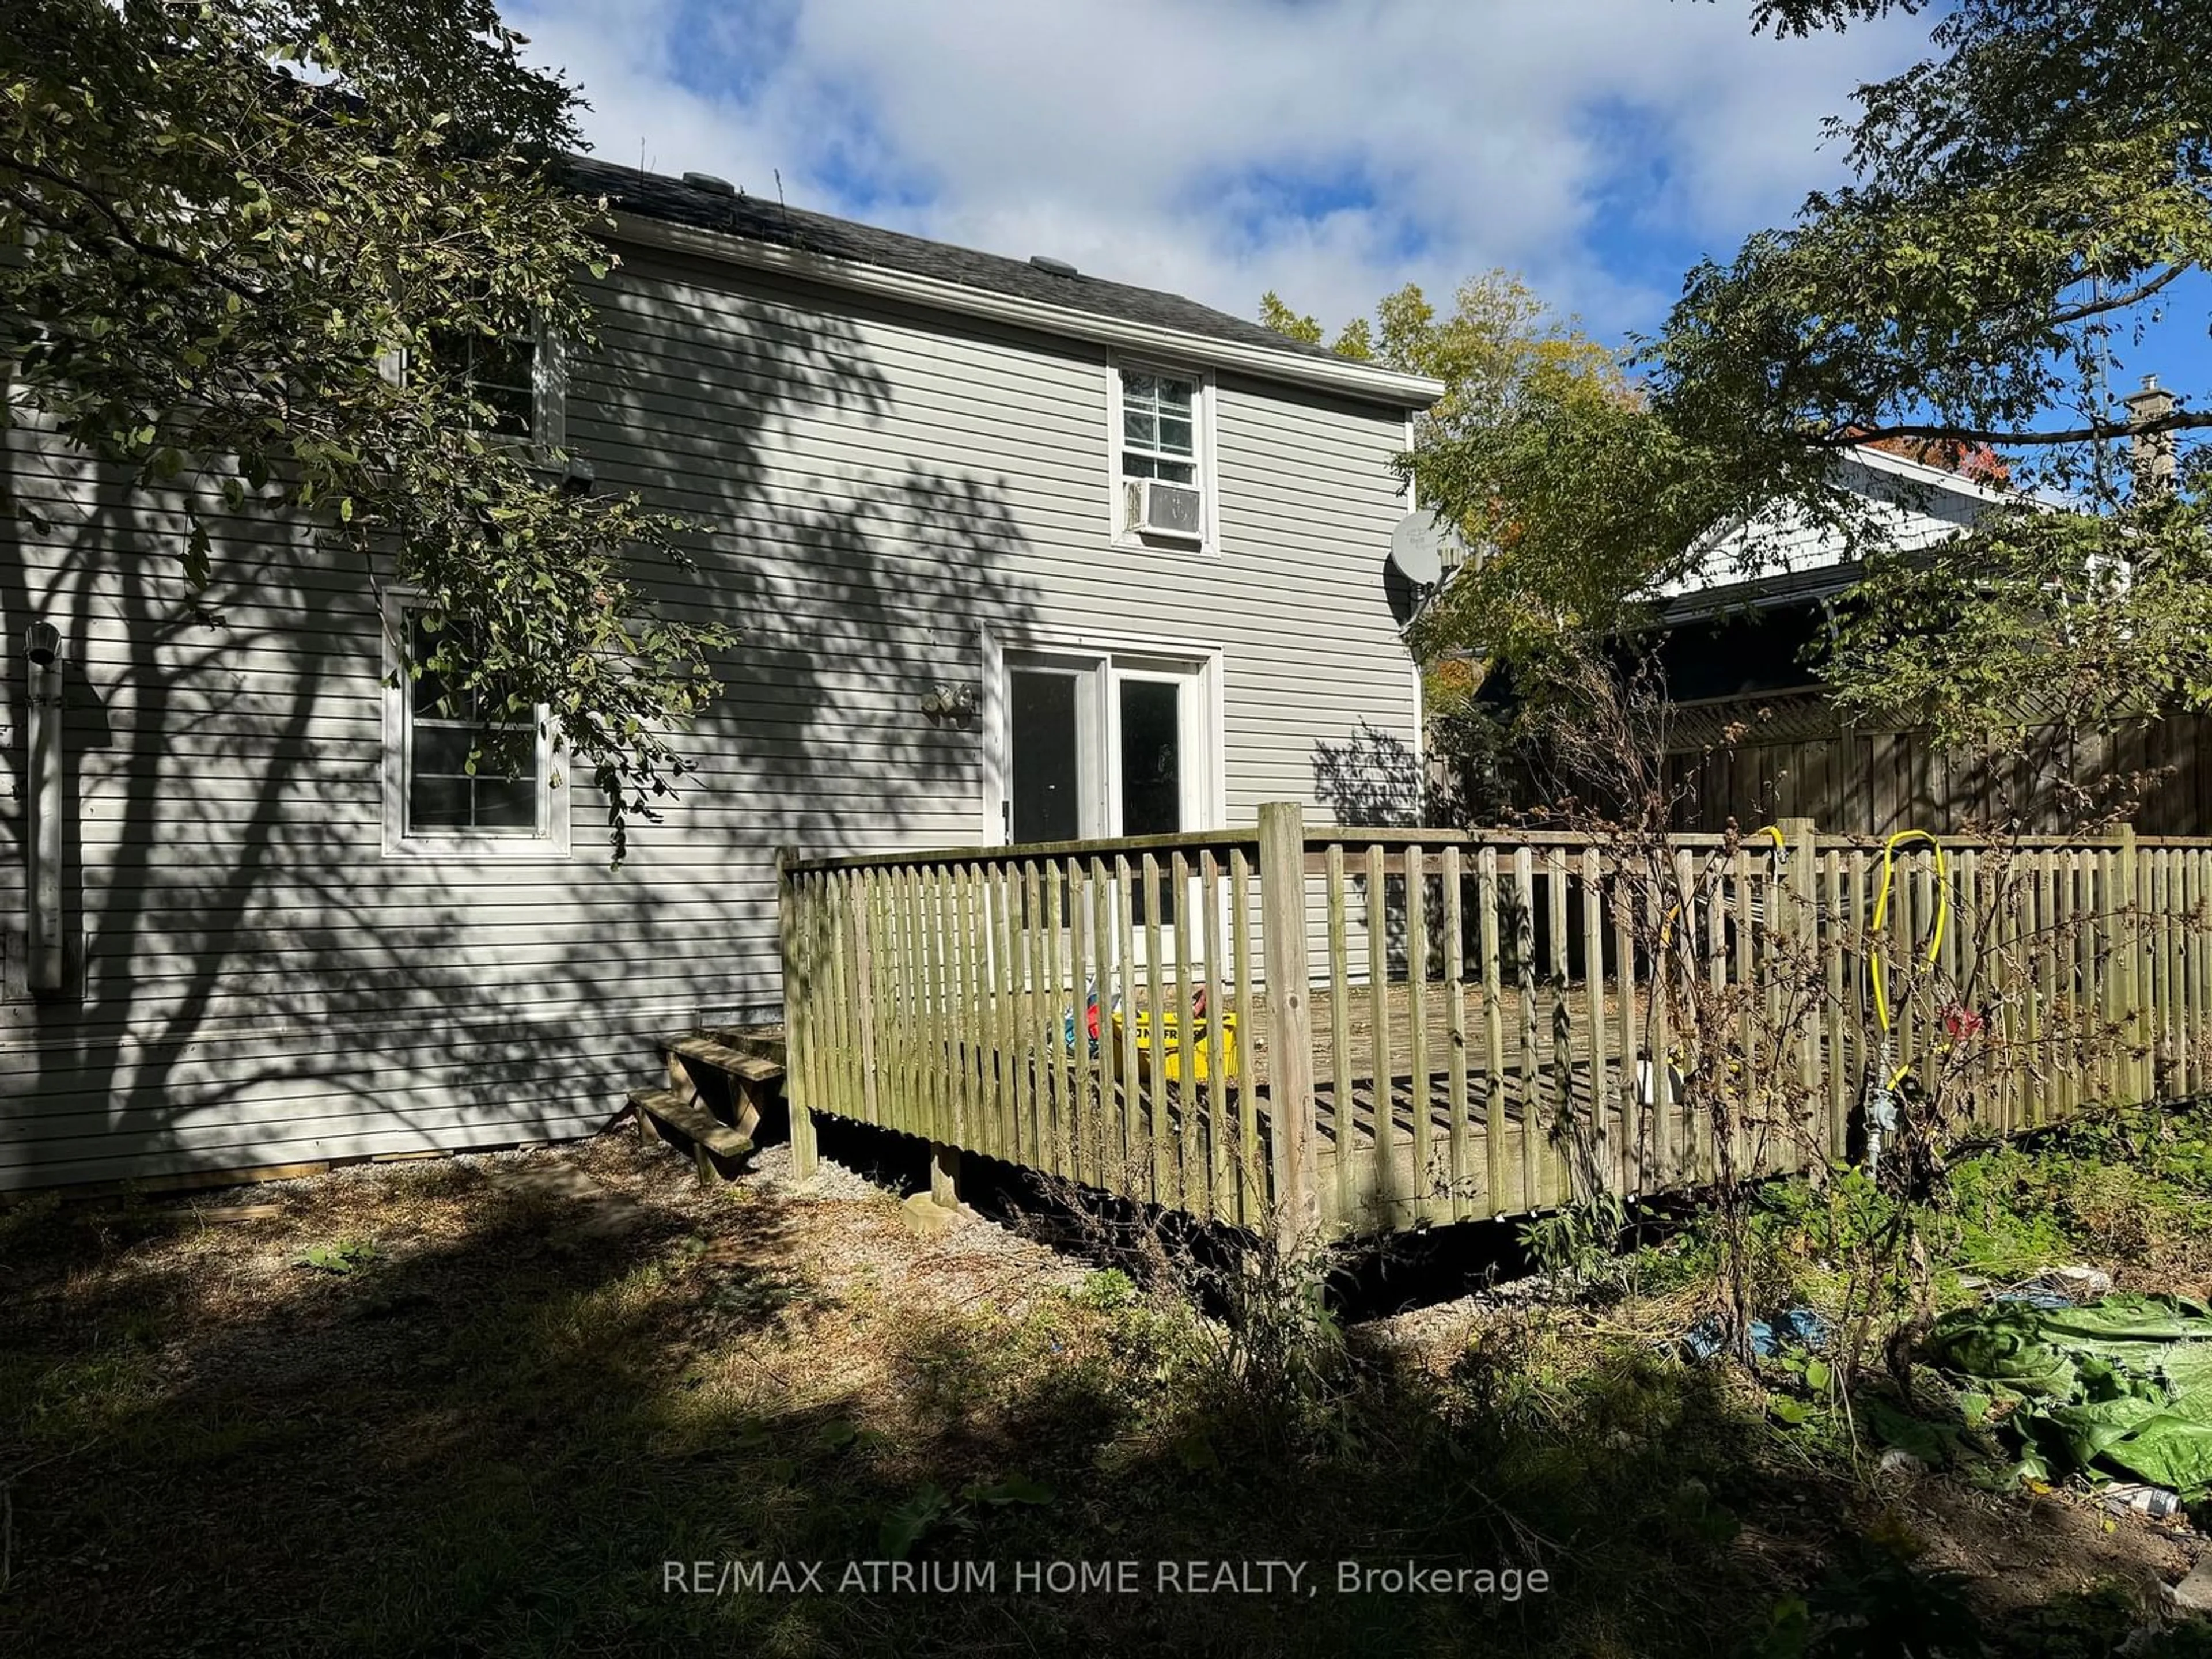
pixel 1417 548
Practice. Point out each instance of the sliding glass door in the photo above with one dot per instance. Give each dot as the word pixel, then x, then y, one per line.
pixel 1106 745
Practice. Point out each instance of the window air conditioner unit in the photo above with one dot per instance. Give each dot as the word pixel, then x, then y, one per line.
pixel 1159 507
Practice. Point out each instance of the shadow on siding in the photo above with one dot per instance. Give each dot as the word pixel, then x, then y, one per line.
pixel 264 986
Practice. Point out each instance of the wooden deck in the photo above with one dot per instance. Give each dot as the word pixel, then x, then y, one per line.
pixel 1608 1134
pixel 1472 1019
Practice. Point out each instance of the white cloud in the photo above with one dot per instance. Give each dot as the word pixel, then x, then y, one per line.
pixel 1218 147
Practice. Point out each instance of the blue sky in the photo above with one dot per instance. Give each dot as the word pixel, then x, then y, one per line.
pixel 1331 150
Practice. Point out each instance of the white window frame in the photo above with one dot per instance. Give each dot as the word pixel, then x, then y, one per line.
pixel 1206 473
pixel 549 389
pixel 548 393
pixel 550 842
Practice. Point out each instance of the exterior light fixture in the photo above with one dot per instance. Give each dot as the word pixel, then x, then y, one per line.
pixel 952 702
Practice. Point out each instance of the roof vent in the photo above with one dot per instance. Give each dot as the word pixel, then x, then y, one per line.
pixel 710 184
pixel 1055 267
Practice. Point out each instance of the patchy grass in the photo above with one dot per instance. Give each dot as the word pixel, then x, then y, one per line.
pixel 475 1407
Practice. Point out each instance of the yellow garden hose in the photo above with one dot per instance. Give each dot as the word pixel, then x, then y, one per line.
pixel 1782 849
pixel 1880 914
pixel 1882 1080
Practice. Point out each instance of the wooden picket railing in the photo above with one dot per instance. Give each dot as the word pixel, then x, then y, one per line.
pixel 1362 1030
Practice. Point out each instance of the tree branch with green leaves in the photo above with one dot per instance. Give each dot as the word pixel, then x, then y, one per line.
pixel 2024 207
pixel 225 224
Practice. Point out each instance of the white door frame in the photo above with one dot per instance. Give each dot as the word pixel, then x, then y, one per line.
pixel 1095 738
pixel 1188 680
pixel 1206 790
pixel 1116 657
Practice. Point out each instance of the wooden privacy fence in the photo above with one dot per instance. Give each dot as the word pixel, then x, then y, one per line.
pixel 1361 1029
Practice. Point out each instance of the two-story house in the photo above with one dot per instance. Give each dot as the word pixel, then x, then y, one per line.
pixel 1012 552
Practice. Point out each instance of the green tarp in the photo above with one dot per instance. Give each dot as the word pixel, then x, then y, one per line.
pixel 2120 1387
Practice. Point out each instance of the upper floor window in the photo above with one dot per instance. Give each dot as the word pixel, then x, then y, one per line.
pixel 463 774
pixel 1159 428
pixel 501 371
pixel 521 381
pixel 1163 432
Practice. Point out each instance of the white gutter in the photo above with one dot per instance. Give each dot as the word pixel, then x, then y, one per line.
pixel 1341 374
pixel 1921 472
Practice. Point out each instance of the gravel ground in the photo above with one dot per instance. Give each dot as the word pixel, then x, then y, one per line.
pixel 771 1172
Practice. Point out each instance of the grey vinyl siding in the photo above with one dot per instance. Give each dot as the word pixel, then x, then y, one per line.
pixel 875 488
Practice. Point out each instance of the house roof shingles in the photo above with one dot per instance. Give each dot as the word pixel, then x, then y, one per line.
pixel 656 196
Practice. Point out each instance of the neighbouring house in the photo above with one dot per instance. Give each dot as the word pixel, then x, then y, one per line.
pixel 1752 736
pixel 1015 553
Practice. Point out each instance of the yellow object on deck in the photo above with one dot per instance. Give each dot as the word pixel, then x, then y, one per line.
pixel 1169 1043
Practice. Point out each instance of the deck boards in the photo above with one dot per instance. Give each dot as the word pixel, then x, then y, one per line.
pixel 1471 1028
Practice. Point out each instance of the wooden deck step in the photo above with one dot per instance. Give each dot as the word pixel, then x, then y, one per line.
pixel 766 1041
pixel 735 1083
pixel 692 1120
pixel 710 1050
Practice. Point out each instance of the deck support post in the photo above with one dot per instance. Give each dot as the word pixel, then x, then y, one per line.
pixel 799 995
pixel 805 1154
pixel 945 1175
pixel 804 1149
pixel 1290 1058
